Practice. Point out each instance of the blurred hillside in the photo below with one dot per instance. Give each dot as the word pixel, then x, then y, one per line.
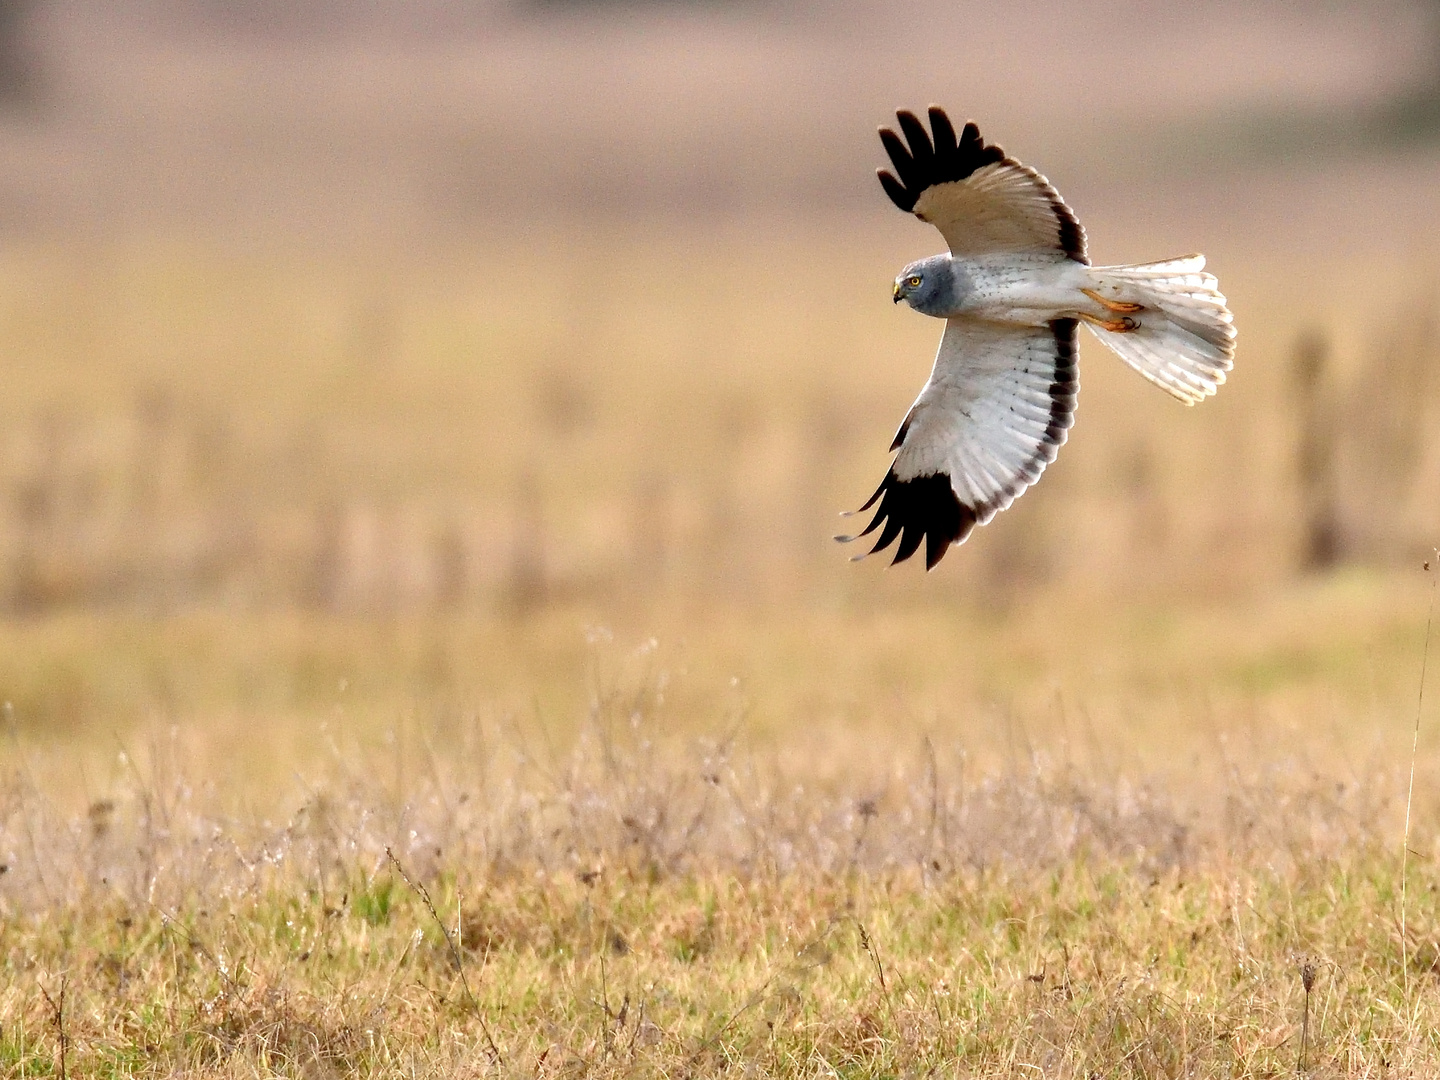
pixel 420 121
pixel 492 306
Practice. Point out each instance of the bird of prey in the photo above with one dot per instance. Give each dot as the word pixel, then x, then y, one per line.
pixel 1013 289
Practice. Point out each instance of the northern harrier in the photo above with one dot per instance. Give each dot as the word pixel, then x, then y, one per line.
pixel 1012 289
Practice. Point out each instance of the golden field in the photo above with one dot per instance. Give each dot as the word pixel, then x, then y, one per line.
pixel 515 563
pixel 422 647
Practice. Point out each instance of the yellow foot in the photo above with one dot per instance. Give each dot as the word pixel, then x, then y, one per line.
pixel 1116 326
pixel 1124 307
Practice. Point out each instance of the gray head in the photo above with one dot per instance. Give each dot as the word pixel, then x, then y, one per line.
pixel 931 286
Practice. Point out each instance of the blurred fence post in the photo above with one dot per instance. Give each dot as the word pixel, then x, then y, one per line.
pixel 1315 458
pixel 450 559
pixel 525 587
pixel 19 62
pixel 31 510
pixel 324 577
pixel 40 550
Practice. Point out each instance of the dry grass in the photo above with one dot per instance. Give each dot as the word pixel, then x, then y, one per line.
pixel 1079 971
pixel 637 902
pixel 435 663
pixel 302 563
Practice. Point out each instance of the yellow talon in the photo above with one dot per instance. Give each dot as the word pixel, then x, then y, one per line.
pixel 1116 326
pixel 1122 306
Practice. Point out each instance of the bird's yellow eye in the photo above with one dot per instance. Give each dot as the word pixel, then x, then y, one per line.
pixel 912 282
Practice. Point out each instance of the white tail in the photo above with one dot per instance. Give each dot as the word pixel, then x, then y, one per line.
pixel 1183 338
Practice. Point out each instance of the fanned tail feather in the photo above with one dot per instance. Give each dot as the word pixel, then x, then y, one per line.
pixel 1185 340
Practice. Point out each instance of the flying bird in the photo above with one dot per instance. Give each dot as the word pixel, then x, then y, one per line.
pixel 1013 289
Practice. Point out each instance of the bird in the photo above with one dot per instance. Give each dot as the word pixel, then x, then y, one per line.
pixel 1013 289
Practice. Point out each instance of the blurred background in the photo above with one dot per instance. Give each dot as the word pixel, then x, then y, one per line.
pixel 374 358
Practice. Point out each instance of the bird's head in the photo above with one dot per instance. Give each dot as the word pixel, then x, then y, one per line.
pixel 928 286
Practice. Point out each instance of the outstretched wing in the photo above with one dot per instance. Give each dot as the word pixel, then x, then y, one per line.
pixel 995 412
pixel 979 199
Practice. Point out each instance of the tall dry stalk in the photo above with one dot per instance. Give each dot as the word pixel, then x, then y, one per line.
pixel 1307 980
pixel 1410 795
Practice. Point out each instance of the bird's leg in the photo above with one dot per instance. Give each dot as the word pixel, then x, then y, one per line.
pixel 1117 326
pixel 1123 307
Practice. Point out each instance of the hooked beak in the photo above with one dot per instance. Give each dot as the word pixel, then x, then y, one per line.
pixel 895 296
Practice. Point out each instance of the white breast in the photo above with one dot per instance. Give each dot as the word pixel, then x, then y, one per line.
pixel 1027 289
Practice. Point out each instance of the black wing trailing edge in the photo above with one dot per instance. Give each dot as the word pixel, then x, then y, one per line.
pixel 927 508
pixel 1065 386
pixel 948 158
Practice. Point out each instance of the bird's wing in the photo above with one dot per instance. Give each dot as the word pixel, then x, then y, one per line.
pixel 979 199
pixel 995 412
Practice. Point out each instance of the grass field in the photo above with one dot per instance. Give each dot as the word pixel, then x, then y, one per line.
pixel 441 667
pixel 664 886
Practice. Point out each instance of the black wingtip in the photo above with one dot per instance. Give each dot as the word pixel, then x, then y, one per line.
pixel 909 543
pixel 945 141
pixel 921 148
pixel 896 190
pixel 900 157
pixel 925 509
pixel 935 549
pixel 902 431
pixel 923 159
